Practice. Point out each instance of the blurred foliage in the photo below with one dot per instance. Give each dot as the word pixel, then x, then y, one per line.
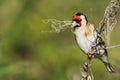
pixel 28 54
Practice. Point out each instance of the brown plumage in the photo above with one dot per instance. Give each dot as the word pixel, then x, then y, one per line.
pixel 88 30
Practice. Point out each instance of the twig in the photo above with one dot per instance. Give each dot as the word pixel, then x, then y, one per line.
pixel 109 15
pixel 109 47
pixel 57 25
pixel 109 20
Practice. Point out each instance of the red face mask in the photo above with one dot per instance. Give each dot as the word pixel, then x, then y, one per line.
pixel 77 19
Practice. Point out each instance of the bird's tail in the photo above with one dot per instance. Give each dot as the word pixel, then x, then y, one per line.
pixel 104 59
pixel 109 68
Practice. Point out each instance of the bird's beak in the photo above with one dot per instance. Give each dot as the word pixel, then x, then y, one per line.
pixel 74 24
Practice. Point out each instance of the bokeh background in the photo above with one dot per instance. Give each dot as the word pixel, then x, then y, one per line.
pixel 26 53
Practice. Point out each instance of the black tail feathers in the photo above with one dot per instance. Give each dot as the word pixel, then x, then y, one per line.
pixel 110 68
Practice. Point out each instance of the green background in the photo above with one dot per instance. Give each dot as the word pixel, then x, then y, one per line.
pixel 26 53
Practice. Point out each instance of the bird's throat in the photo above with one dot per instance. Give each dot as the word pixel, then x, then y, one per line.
pixel 75 27
pixel 78 26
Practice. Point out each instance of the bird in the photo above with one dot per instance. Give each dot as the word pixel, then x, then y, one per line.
pixel 90 41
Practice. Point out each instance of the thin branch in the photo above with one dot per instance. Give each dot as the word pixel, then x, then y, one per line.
pixel 57 25
pixel 109 15
pixel 109 20
pixel 113 46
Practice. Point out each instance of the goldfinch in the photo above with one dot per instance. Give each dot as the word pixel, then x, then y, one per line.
pixel 89 41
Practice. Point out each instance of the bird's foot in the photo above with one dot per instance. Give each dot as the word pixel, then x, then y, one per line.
pixel 91 55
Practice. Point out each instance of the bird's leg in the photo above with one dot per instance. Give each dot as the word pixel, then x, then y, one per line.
pixel 85 68
pixel 91 53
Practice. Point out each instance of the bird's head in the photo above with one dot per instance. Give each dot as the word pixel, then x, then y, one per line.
pixel 79 20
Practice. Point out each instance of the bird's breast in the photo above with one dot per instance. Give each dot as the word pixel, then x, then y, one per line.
pixel 83 41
